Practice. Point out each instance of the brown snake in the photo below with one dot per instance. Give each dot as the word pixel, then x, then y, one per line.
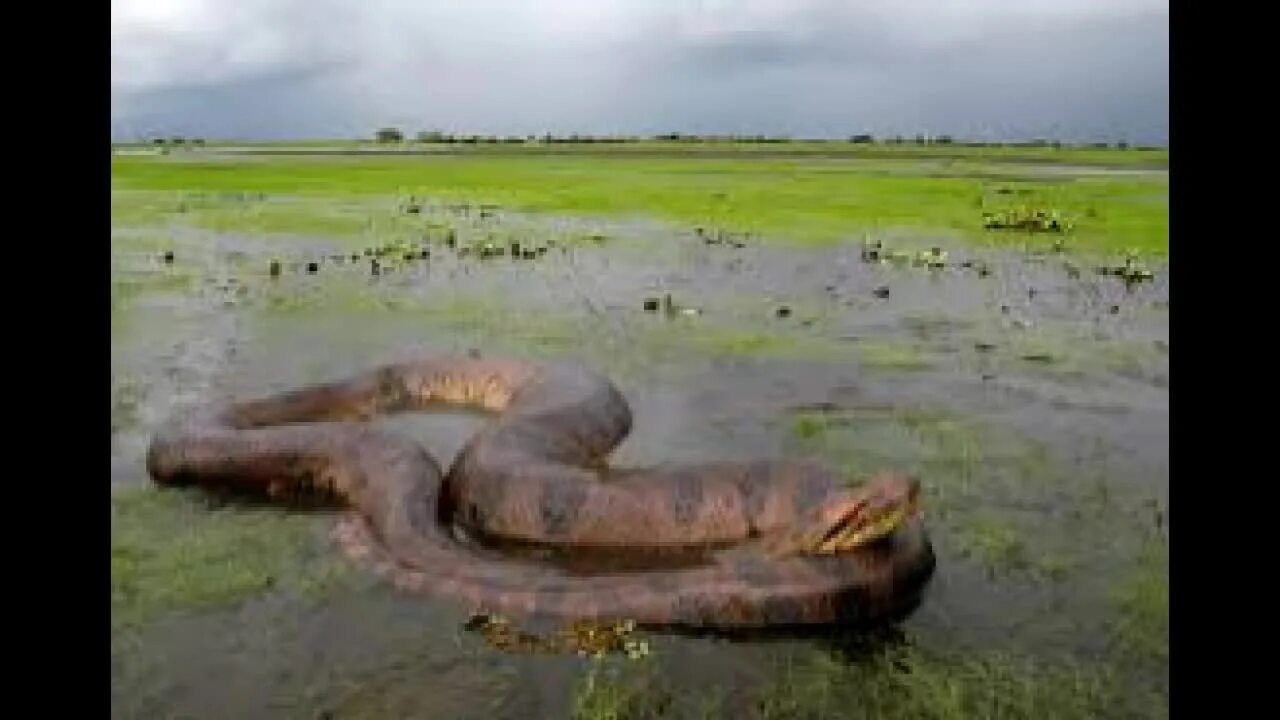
pixel 532 521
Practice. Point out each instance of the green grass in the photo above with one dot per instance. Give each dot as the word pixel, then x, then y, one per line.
pixel 170 552
pixel 962 457
pixel 279 218
pixel 800 200
pixel 1060 354
pixel 895 682
pixel 604 693
pixel 266 216
pixel 888 354
pixel 128 288
pixel 486 320
pixel 914 684
pixel 994 543
pixel 966 465
pixel 1142 601
pixel 129 285
pixel 721 340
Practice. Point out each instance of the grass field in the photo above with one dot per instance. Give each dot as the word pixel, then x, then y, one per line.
pixel 801 200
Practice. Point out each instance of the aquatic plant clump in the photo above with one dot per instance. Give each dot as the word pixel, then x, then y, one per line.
pixel 1027 220
pixel 1131 271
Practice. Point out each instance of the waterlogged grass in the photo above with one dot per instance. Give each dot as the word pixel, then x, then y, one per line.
pixel 1127 215
pixel 138 268
pixel 651 340
pixel 490 321
pixel 893 682
pixel 128 288
pixel 538 326
pixel 1055 353
pixel 534 332
pixel 400 688
pixel 795 199
pixel 758 343
pixel 171 552
pixel 133 209
pixel 962 459
pixel 996 543
pixel 262 215
pixel 994 502
pixel 968 466
pixel 906 683
pixel 145 238
pixel 1142 601
pixel 276 217
pixel 889 354
pixel 129 285
pixel 608 691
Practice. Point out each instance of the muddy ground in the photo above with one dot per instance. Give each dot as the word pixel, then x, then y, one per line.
pixel 1029 392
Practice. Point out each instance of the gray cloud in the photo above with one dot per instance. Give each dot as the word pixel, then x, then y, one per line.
pixel 281 102
pixel 1072 69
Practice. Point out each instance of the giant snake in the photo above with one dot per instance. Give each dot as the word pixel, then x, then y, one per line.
pixel 531 520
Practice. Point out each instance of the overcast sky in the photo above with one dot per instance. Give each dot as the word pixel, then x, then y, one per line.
pixel 983 69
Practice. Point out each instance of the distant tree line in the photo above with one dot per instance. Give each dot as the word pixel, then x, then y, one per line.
pixel 177 140
pixel 393 135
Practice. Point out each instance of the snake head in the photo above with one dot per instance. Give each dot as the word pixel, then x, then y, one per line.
pixel 859 516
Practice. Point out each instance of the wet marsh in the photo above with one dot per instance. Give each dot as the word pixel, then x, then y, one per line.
pixel 1027 389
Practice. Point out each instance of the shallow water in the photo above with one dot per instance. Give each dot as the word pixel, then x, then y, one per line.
pixel 1033 404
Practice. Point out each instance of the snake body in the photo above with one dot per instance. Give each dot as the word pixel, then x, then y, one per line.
pixel 531 495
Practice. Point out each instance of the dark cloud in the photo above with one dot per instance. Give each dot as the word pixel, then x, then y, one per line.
pixel 1073 69
pixel 1074 79
pixel 274 104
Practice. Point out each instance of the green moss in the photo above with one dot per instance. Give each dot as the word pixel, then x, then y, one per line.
pixel 170 551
